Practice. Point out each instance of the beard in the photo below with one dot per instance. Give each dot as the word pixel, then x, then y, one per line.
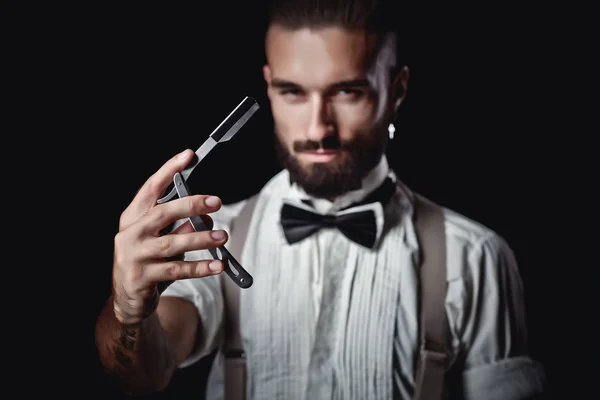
pixel 345 173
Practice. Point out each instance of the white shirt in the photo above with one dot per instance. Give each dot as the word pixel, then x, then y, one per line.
pixel 327 318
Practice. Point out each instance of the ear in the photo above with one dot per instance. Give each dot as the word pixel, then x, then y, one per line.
pixel 399 86
pixel 267 75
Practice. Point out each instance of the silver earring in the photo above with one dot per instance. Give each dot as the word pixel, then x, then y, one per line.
pixel 391 130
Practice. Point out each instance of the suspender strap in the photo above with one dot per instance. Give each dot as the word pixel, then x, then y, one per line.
pixel 431 361
pixel 233 349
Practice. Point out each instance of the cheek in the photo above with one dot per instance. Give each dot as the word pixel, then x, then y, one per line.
pixel 356 117
pixel 289 119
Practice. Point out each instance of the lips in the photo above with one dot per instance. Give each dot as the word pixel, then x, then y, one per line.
pixel 320 156
pixel 322 152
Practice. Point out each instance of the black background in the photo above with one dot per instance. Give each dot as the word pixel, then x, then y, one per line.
pixel 120 88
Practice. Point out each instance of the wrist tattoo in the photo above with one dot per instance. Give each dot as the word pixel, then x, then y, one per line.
pixel 128 337
pixel 126 343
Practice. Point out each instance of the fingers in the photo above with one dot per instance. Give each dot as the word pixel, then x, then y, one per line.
pixel 164 214
pixel 155 186
pixel 176 270
pixel 168 246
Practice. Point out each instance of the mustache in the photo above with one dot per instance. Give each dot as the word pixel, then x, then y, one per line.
pixel 327 143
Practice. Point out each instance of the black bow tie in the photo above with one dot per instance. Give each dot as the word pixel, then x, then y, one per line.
pixel 299 223
pixel 360 226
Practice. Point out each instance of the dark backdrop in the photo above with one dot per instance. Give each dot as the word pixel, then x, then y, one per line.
pixel 139 82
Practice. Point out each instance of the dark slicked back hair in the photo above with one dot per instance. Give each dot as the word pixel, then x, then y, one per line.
pixel 379 17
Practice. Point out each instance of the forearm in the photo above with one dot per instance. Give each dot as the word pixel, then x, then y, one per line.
pixel 137 359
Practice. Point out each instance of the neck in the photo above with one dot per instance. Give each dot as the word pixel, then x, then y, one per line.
pixel 372 181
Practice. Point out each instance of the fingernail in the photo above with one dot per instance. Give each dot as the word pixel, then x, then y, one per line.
pixel 215 266
pixel 183 154
pixel 212 201
pixel 217 235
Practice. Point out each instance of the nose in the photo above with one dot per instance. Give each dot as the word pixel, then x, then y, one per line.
pixel 320 124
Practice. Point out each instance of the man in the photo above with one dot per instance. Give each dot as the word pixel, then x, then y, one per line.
pixel 330 315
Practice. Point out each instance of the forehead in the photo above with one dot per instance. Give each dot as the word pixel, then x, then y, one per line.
pixel 316 57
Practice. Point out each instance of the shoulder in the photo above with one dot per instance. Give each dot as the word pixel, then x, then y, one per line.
pixel 468 241
pixel 474 249
pixel 471 235
pixel 474 240
pixel 476 253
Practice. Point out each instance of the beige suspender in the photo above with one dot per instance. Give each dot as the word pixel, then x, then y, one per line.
pixel 431 363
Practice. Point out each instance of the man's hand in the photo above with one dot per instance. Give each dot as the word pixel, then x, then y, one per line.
pixel 143 257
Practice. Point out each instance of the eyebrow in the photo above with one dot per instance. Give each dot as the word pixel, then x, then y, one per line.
pixel 355 83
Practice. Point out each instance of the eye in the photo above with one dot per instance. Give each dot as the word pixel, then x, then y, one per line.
pixel 292 95
pixel 349 93
pixel 292 92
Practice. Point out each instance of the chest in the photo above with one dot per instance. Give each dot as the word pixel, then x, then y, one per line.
pixel 328 292
pixel 326 312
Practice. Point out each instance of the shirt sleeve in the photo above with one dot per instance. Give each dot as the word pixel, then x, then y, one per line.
pixel 205 294
pixel 490 329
